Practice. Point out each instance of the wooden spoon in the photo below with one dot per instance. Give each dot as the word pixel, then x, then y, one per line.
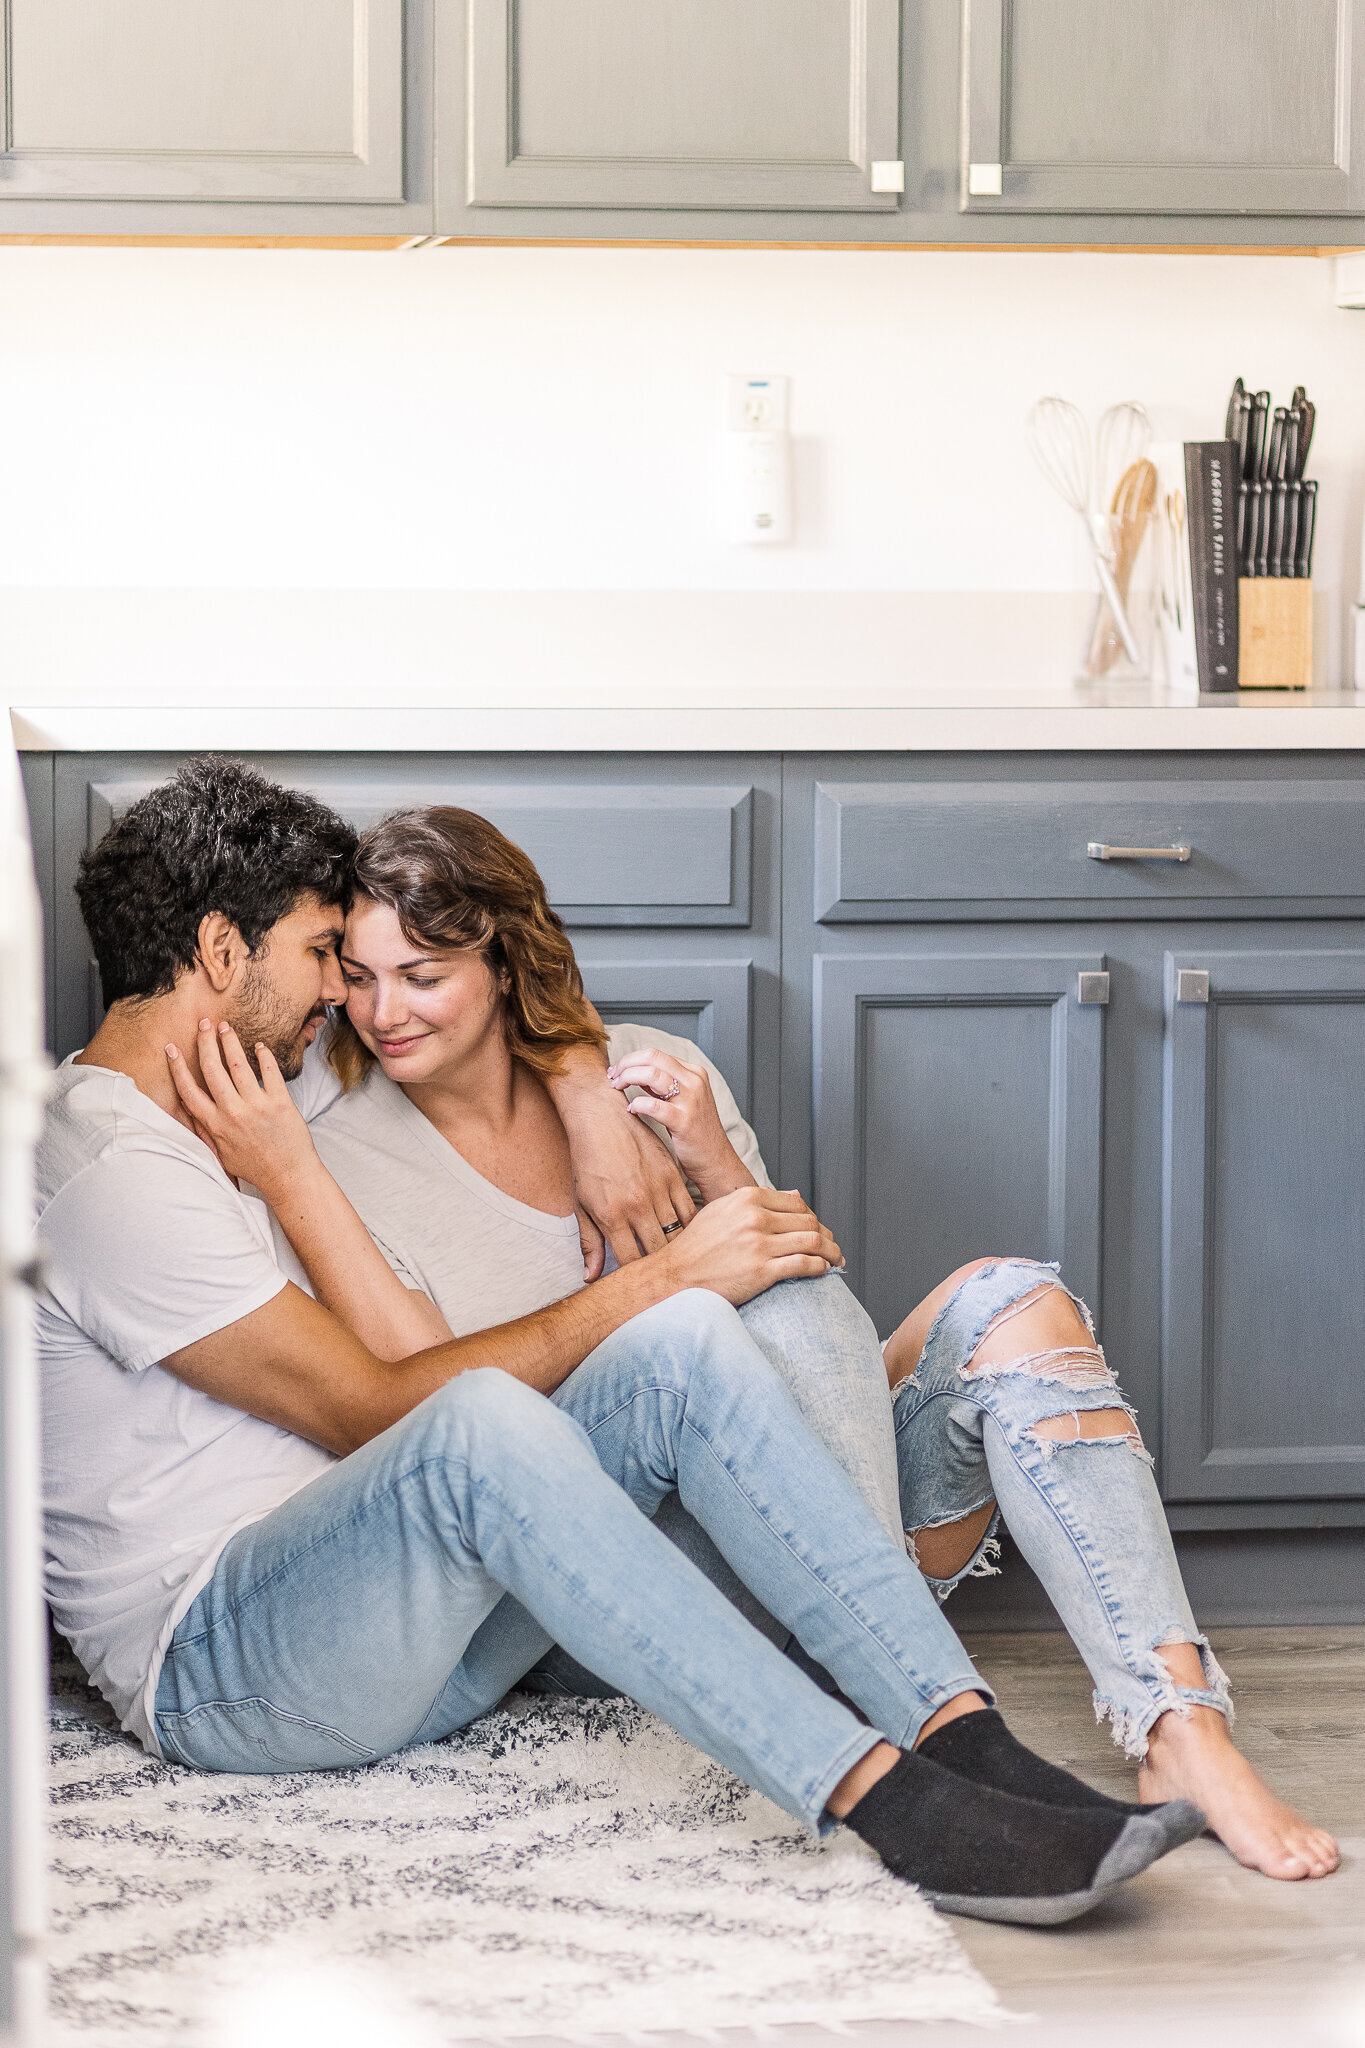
pixel 1130 515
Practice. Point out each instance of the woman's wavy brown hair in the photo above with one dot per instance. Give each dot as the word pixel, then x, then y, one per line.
pixel 455 881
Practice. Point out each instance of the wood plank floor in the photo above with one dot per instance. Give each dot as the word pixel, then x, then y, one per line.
pixel 1198 1935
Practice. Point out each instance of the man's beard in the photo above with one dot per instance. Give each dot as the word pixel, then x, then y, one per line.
pixel 263 1018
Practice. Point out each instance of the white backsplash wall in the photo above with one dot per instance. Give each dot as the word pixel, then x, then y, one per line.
pixel 501 420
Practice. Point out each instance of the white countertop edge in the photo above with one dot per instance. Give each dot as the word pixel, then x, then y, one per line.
pixel 1236 726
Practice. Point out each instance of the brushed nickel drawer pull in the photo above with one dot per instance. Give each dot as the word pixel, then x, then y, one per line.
pixel 1099 851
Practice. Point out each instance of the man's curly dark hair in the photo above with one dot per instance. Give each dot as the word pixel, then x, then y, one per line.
pixel 217 837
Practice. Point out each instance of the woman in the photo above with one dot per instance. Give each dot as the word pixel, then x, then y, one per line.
pixel 463 993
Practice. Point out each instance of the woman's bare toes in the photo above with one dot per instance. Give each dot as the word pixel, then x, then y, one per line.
pixel 1192 1757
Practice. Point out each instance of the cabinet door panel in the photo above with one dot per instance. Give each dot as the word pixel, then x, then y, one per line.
pixel 1162 106
pixel 229 99
pixel 957 1114
pixel 1263 1220
pixel 683 103
pixel 707 1001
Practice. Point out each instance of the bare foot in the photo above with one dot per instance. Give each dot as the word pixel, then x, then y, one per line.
pixel 1192 1757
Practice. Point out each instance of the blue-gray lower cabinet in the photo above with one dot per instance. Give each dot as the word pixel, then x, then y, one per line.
pixel 1263 1222
pixel 884 956
pixel 958 1112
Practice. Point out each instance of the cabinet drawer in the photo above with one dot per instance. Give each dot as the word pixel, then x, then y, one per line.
pixel 889 851
pixel 610 853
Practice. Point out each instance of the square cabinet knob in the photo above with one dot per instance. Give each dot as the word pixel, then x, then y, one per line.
pixel 888 177
pixel 1092 988
pixel 985 181
pixel 1192 985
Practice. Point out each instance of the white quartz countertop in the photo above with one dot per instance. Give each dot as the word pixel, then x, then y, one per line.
pixel 609 671
pixel 1133 719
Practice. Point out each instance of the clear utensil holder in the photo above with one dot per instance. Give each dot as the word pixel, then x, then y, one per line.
pixel 1109 655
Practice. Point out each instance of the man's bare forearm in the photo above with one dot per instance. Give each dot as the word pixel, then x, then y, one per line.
pixel 348 1272
pixel 295 1364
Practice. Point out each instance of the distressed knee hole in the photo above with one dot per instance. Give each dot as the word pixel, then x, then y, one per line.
pixel 944 1549
pixel 1048 1326
pixel 1079 1366
pixel 1099 1428
pixel 1105 1425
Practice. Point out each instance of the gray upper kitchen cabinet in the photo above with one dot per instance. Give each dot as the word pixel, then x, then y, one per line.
pixel 1163 107
pixel 794 121
pixel 989 121
pixel 680 104
pixel 218 118
pixel 228 99
pixel 1263 1221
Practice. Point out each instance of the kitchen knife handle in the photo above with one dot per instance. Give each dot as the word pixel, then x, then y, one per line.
pixel 1307 522
pixel 1254 491
pixel 1289 554
pixel 1277 512
pixel 1243 505
pixel 1260 426
pixel 1263 537
pixel 1293 429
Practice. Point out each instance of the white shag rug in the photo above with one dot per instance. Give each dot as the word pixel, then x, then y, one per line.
pixel 560 1868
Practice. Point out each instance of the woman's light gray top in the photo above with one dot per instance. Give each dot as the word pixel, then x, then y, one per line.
pixel 481 1256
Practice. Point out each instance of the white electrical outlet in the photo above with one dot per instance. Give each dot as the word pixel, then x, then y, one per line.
pixel 758 466
pixel 756 405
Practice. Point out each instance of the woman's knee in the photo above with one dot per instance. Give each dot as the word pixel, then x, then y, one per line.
pixel 1044 1319
pixel 904 1348
pixel 482 1400
pixel 678 1338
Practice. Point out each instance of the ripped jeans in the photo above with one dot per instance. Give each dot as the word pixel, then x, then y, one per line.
pixel 1084 1511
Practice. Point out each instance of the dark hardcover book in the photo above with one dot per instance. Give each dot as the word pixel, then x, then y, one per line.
pixel 1212 481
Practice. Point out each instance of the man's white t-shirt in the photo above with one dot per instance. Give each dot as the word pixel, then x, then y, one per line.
pixel 148 1247
pixel 481 1256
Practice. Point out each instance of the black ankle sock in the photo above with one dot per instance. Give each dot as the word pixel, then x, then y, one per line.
pixel 967 1840
pixel 980 1747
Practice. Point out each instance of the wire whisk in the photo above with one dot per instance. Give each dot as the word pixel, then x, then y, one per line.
pixel 1087 476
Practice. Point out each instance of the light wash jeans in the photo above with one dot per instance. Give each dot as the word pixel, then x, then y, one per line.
pixel 368 1611
pixel 1084 1511
pixel 1086 1515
